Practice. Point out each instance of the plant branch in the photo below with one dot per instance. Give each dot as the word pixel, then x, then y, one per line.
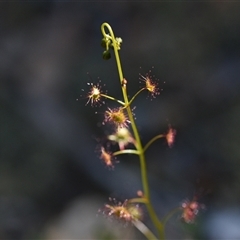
pixel 116 47
pixel 126 151
pixel 144 230
pixel 113 99
pixel 152 140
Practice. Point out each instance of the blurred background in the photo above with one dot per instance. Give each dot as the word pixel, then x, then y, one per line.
pixel 52 182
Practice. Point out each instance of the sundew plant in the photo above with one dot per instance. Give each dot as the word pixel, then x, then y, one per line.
pixel 126 133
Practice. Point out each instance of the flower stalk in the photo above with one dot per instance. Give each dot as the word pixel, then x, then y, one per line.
pixel 122 119
pixel 138 144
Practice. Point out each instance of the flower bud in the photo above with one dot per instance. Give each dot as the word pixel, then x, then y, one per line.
pixel 106 55
pixel 103 43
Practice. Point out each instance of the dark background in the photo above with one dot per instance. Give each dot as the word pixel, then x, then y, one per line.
pixel 52 182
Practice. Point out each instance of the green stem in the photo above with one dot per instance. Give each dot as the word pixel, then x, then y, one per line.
pixel 112 98
pixel 144 230
pixel 159 226
pixel 137 200
pixel 130 102
pixel 126 151
pixel 152 140
pixel 170 214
